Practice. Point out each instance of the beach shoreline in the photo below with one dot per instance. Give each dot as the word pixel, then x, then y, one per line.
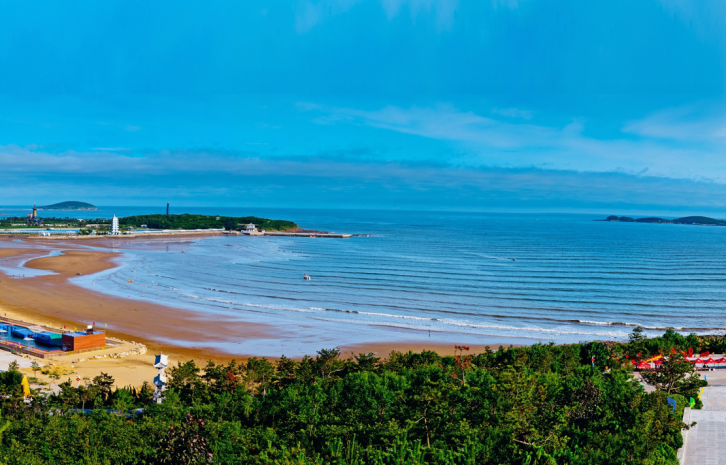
pixel 55 299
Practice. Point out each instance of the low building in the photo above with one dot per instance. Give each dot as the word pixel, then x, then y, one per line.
pixel 89 339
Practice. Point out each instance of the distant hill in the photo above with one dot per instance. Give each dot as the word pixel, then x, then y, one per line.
pixel 72 205
pixel 702 220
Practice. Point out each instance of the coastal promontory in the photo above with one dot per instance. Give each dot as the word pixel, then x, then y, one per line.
pixel 696 220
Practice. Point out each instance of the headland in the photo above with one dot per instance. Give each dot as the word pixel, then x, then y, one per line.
pixel 692 220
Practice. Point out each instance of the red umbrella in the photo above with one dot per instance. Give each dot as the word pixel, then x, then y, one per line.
pixel 698 360
pixel 710 360
pixel 658 362
pixel 644 365
pixel 705 354
pixel 721 360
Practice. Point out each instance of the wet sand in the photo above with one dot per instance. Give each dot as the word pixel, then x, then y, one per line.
pixel 53 299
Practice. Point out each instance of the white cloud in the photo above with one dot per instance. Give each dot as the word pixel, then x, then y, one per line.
pixel 687 123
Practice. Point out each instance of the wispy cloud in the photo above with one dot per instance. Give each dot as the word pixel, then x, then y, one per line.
pixel 693 123
pixel 516 142
pixel 222 177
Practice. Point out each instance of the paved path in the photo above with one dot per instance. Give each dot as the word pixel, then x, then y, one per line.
pixel 706 442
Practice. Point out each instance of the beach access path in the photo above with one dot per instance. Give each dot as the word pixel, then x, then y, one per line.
pixel 704 443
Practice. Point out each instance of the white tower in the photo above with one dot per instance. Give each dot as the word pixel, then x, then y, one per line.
pixel 114 226
pixel 161 362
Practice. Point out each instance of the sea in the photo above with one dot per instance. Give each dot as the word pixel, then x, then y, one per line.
pixel 443 277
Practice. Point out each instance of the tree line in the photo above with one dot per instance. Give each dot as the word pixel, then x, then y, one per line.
pixel 543 404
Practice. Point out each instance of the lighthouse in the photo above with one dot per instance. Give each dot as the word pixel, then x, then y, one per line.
pixel 161 362
pixel 114 226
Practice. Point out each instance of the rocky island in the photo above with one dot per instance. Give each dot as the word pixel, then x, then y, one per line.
pixel 71 205
pixel 697 220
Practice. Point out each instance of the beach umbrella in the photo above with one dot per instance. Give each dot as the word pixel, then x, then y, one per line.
pixel 658 362
pixel 698 360
pixel 644 366
pixel 721 360
pixel 710 361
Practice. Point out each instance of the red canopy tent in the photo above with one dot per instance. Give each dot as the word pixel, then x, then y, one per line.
pixel 644 366
pixel 698 360
pixel 721 360
pixel 658 362
pixel 710 361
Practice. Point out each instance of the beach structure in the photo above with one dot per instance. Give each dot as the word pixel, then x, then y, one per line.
pixel 21 332
pixel 48 338
pixel 161 362
pixel 90 339
pixel 251 230
pixel 114 226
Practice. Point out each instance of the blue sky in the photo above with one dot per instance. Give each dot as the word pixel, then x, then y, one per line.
pixel 490 105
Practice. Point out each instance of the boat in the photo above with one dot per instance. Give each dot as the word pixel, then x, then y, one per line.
pixel 306 277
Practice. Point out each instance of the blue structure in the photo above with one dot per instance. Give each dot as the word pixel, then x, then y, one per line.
pixel 49 339
pixel 20 332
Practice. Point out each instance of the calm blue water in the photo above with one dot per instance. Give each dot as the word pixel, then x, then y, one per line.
pixel 450 273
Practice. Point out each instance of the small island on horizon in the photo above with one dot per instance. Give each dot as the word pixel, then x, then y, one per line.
pixel 695 220
pixel 69 205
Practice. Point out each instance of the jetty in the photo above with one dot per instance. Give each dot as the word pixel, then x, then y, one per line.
pixel 305 234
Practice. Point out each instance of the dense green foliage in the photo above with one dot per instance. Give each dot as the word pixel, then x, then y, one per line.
pixel 187 221
pixel 160 221
pixel 22 221
pixel 71 205
pixel 543 404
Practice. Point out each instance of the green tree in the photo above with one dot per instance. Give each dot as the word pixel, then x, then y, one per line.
pixel 675 376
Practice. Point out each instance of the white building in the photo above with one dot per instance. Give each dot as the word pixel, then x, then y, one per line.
pixel 114 226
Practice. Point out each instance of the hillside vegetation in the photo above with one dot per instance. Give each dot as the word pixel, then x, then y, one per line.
pixel 543 404
pixel 187 221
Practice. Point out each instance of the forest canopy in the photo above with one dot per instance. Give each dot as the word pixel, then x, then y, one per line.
pixel 544 404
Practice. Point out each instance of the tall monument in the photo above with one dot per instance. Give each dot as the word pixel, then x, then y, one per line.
pixel 35 211
pixel 114 226
pixel 167 208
